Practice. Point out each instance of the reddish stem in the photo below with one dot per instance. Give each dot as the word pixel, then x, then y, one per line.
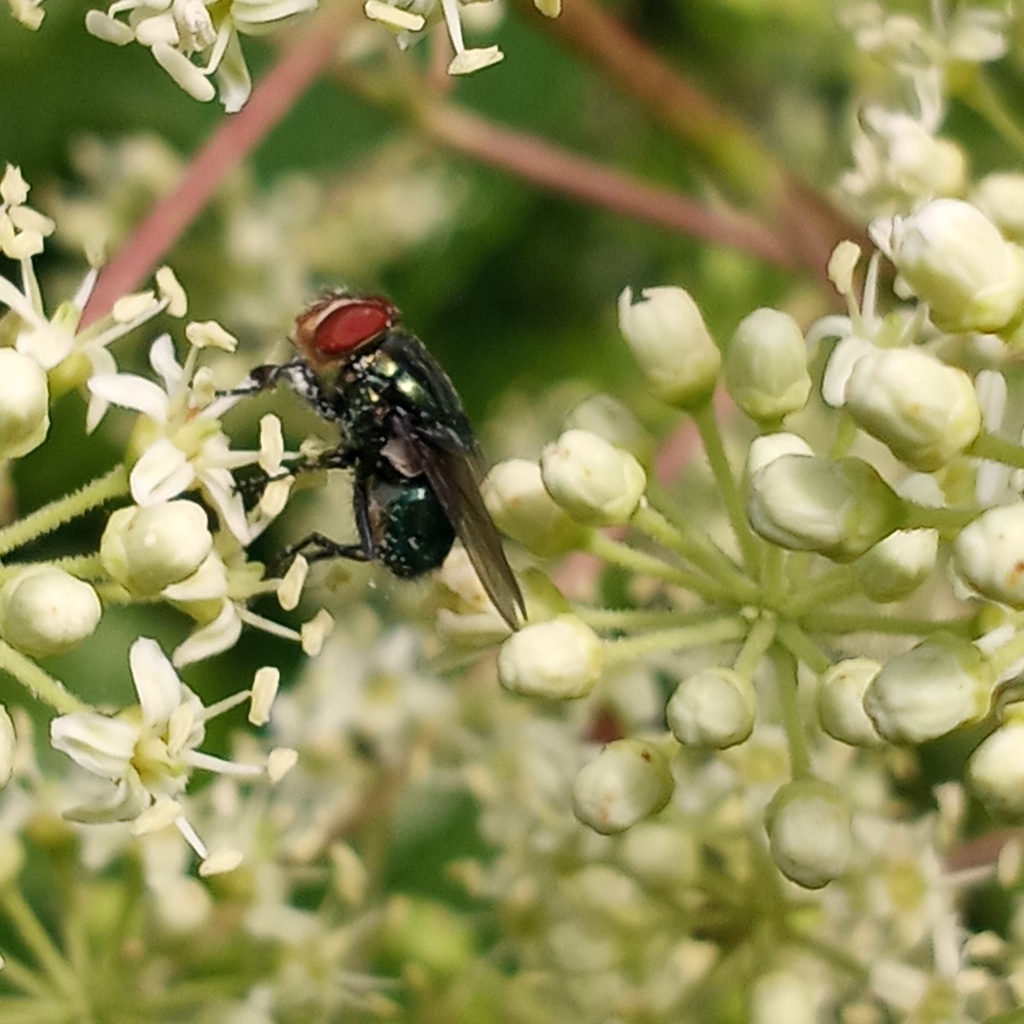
pixel 274 95
pixel 556 169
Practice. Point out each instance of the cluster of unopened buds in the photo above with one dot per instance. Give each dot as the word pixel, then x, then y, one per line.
pixel 913 497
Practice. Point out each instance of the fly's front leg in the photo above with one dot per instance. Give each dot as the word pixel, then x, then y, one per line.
pixel 300 375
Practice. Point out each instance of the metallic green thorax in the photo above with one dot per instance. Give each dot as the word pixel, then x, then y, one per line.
pixel 397 377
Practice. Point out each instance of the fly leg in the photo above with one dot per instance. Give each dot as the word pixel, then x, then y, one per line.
pixel 318 546
pixel 300 375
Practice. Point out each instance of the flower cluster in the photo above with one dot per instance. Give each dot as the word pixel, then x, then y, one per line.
pixel 181 32
pixel 755 635
pixel 178 538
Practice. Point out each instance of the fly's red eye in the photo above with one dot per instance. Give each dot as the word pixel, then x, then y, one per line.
pixel 349 327
pixel 340 324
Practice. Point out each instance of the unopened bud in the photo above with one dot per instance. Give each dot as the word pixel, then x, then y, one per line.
pixel 669 340
pixel 45 611
pixel 521 507
pixel 608 418
pixel 148 548
pixel 24 404
pixel 559 659
pixel 714 707
pixel 989 552
pixel 996 769
pixel 1000 197
pixel 942 683
pixel 766 366
pixel 808 823
pixel 841 701
pixel 628 781
pixel 955 259
pixel 768 447
pixel 808 503
pixel 595 482
pixel 925 411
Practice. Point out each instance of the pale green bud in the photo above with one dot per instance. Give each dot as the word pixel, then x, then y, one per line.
pixel 766 366
pixel 942 683
pixel 559 659
pixel 808 824
pixel 148 548
pixel 808 503
pixel 841 701
pixel 669 340
pixel 925 411
pixel 996 769
pixel 595 482
pixel 714 707
pixel 955 259
pixel 45 610
pixel 628 781
pixel 609 418
pixel 989 552
pixel 24 404
pixel 521 507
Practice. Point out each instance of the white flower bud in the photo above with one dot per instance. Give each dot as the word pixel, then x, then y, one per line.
pixel 595 482
pixel 841 701
pixel 559 659
pixel 667 336
pixel 521 507
pixel 766 366
pixel 925 411
pixel 45 611
pixel 808 824
pixel 941 684
pixel 989 552
pixel 148 548
pixel 24 404
pixel 714 707
pixel 897 565
pixel 768 447
pixel 996 769
pixel 608 418
pixel 1000 197
pixel 628 781
pixel 955 259
pixel 807 503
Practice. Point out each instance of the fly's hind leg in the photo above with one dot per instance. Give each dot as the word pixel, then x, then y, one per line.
pixel 318 546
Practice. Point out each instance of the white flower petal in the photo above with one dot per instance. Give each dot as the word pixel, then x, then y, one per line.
pixel 129 391
pixel 220 489
pixel 208 583
pixel 122 802
pixel 232 76
pixel 99 744
pixel 213 638
pixel 156 682
pixel 165 362
pixel 163 472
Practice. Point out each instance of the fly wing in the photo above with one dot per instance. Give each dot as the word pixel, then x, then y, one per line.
pixel 454 475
